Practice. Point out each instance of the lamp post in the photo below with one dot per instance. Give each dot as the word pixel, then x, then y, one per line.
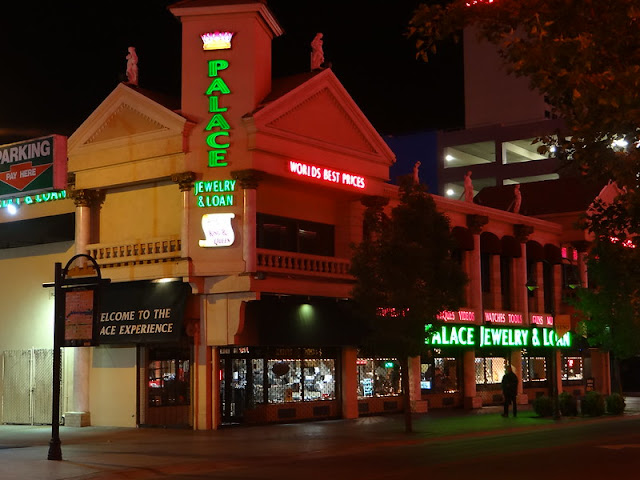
pixel 63 285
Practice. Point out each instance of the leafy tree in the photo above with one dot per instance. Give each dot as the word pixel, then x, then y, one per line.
pixel 404 267
pixel 583 56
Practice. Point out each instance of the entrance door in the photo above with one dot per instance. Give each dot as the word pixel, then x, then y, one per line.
pixel 233 389
pixel 27 392
pixel 168 385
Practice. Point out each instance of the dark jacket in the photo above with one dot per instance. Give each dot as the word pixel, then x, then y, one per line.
pixel 510 384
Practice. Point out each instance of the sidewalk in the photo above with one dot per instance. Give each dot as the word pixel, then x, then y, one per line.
pixel 109 452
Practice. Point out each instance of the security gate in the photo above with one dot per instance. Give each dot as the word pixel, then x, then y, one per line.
pixel 27 391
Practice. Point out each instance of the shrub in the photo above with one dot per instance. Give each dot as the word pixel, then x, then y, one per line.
pixel 593 404
pixel 568 404
pixel 543 406
pixel 615 404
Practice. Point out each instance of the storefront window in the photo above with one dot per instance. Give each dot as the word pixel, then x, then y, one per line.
pixel 534 369
pixel 572 368
pixel 168 382
pixel 490 370
pixel 440 375
pixel 378 377
pixel 300 379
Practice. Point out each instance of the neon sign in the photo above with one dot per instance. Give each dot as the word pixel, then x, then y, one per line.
pixel 39 198
pixel 218 125
pixel 216 40
pixel 541 319
pixel 468 335
pixel 217 230
pixel 327 175
pixel 215 193
pixel 507 318
pixel 459 316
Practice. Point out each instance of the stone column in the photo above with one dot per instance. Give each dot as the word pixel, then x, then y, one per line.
pixel 474 271
pixel 249 180
pixel 349 382
pixel 520 294
pixel 417 404
pixel 79 415
pixel 185 182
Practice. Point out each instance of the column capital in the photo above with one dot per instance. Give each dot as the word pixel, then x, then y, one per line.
pixel 476 222
pixel 522 232
pixel 184 180
pixel 85 197
pixel 249 178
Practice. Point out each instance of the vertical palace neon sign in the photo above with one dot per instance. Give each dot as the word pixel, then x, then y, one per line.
pixel 218 138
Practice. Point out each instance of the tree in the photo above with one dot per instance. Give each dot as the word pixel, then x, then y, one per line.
pixel 404 267
pixel 583 56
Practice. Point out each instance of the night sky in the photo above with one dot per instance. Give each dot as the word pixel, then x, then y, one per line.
pixel 61 59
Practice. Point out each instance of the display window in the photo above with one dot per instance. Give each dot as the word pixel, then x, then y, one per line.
pixel 440 375
pixel 168 382
pixel 297 380
pixel 378 377
pixel 534 369
pixel 489 370
pixel 572 368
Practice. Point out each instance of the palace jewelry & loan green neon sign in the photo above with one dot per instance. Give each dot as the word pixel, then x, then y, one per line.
pixel 484 336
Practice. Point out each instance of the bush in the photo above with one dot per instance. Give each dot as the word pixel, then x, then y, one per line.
pixel 568 404
pixel 615 404
pixel 593 404
pixel 543 406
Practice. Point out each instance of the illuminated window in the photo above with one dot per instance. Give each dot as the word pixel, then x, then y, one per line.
pixel 440 375
pixel 490 370
pixel 378 377
pixel 572 368
pixel 534 369
pixel 168 378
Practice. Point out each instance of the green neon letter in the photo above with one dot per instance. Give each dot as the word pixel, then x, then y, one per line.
pixel 217 121
pixel 218 85
pixel 213 104
pixel 216 158
pixel 216 65
pixel 212 140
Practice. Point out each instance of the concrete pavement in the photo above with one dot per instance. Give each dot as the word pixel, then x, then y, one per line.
pixel 137 454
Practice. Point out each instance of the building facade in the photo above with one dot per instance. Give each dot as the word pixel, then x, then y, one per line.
pixel 224 225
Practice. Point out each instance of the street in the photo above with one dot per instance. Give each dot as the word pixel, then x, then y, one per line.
pixel 478 446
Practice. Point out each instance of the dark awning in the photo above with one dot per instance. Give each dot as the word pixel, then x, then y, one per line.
pixel 510 247
pixel 141 312
pixel 463 238
pixel 490 243
pixel 313 323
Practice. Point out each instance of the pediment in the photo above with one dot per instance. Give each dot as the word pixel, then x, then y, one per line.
pixel 321 112
pixel 126 116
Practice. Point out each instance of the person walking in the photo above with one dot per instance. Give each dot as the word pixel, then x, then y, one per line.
pixel 510 391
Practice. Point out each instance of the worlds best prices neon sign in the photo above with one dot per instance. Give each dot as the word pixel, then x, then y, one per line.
pixel 326 175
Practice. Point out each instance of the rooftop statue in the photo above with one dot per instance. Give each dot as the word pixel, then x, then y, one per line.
pixel 517 200
pixel 132 67
pixel 468 188
pixel 416 173
pixel 317 54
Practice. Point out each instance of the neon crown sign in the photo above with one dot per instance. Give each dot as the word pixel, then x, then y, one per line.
pixel 216 40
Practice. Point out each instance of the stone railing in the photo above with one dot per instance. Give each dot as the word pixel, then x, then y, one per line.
pixel 276 261
pixel 136 252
